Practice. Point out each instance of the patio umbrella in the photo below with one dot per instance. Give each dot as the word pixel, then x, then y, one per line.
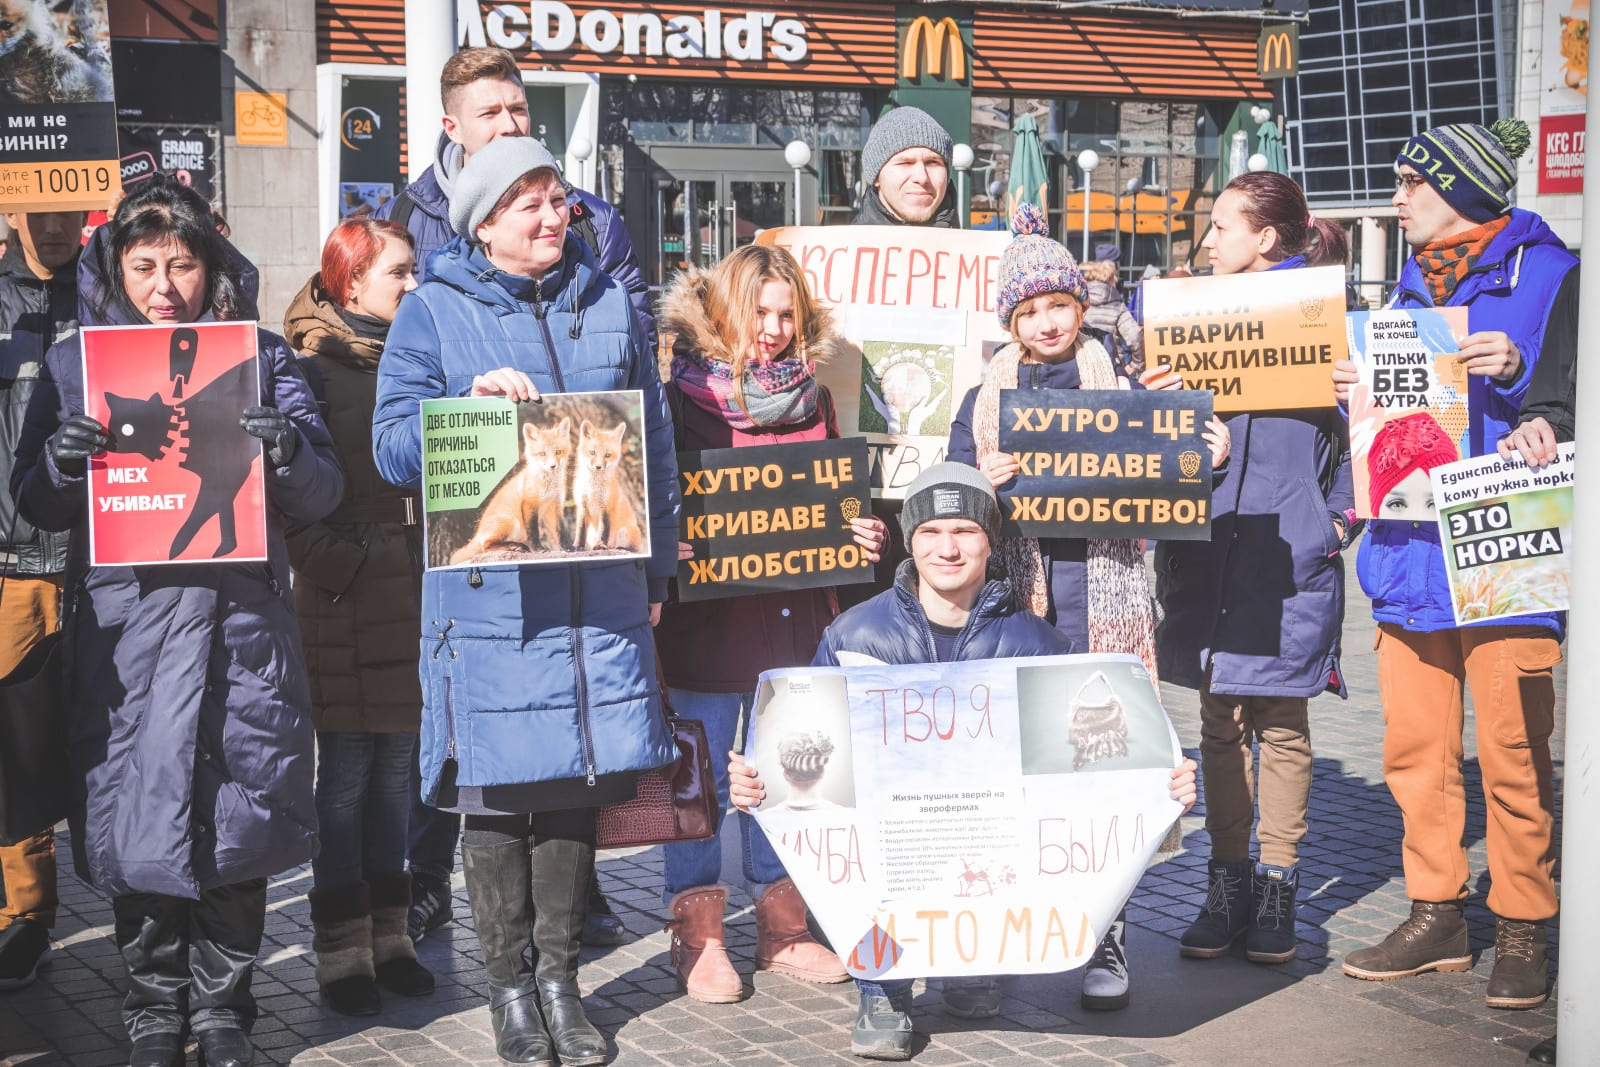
pixel 1269 142
pixel 1029 179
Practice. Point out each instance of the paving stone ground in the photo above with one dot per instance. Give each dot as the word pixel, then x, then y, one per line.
pixel 1184 1012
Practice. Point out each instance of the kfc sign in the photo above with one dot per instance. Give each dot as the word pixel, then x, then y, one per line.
pixel 1561 153
pixel 552 26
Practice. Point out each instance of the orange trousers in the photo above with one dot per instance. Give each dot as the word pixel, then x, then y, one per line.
pixel 1510 671
pixel 29 609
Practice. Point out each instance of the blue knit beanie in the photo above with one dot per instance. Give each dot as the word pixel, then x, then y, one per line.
pixel 1471 167
pixel 1034 264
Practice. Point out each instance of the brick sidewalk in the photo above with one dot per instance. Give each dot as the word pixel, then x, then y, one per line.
pixel 1184 1012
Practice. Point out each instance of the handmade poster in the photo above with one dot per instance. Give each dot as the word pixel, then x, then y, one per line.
pixel 772 517
pixel 58 140
pixel 987 817
pixel 1265 341
pixel 1507 535
pixel 182 482
pixel 555 481
pixel 916 306
pixel 1107 463
pixel 1408 413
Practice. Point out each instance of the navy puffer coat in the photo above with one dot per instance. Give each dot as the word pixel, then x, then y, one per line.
pixel 189 718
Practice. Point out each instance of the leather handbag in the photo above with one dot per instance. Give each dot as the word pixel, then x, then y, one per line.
pixel 33 744
pixel 676 803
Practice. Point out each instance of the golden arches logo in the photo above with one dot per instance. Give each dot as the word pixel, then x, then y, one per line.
pixel 933 41
pixel 1275 52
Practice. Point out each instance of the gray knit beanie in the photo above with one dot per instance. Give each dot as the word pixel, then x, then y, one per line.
pixel 900 129
pixel 492 170
pixel 951 491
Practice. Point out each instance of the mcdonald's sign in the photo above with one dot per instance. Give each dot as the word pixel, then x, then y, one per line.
pixel 1278 51
pixel 928 45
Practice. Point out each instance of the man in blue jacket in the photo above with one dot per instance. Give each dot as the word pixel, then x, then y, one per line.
pixel 483 97
pixel 1519 285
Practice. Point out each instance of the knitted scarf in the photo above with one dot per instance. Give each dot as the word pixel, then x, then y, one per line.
pixel 1121 618
pixel 779 393
pixel 1446 261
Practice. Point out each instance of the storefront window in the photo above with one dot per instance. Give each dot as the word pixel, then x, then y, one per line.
pixel 664 112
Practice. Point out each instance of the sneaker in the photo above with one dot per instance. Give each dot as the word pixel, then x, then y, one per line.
pixel 1105 976
pixel 883 1028
pixel 1521 973
pixel 24 945
pixel 1434 938
pixel 1224 916
pixel 1272 938
pixel 431 905
pixel 971 998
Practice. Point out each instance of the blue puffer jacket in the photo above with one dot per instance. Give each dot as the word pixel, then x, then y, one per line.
pixel 1262 602
pixel 189 717
pixel 892 628
pixel 430 226
pixel 1512 289
pixel 545 673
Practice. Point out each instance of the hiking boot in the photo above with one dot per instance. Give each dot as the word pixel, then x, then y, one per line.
pixel 23 948
pixel 1271 938
pixel 1520 974
pixel 431 905
pixel 1105 977
pixel 699 952
pixel 1434 938
pixel 785 945
pixel 1224 916
pixel 883 1027
pixel 970 998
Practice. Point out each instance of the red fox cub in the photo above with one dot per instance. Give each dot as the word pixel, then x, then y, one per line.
pixel 605 509
pixel 530 501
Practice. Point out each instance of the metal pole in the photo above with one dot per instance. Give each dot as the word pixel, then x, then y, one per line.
pixel 430 39
pixel 797 219
pixel 1088 180
pixel 961 199
pixel 1578 1012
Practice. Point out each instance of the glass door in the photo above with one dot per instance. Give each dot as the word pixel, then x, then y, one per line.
pixel 703 217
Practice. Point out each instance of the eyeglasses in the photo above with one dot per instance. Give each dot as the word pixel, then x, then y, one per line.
pixel 1408 182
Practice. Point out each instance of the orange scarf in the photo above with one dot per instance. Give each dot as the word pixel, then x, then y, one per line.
pixel 1446 261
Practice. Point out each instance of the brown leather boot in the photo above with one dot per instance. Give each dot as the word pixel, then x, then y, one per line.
pixel 1521 974
pixel 1434 938
pixel 783 943
pixel 698 951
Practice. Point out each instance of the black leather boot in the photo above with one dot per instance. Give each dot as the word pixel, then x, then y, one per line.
pixel 498 885
pixel 560 898
pixel 165 1049
pixel 225 1046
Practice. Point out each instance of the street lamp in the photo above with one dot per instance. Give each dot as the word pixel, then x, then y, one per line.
pixel 1256 163
pixel 797 154
pixel 580 149
pixel 961 158
pixel 1088 159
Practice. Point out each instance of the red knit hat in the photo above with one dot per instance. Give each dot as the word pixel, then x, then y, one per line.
pixel 1414 442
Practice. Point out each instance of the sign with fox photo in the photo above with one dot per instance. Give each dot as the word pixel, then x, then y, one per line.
pixel 548 481
pixel 181 482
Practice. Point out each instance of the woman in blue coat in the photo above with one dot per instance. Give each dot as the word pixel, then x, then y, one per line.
pixel 1253 616
pixel 189 715
pixel 540 699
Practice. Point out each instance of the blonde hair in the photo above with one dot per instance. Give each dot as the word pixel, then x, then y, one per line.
pixel 1100 270
pixel 733 296
pixel 1015 312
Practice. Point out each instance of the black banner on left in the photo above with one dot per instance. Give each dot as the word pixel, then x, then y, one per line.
pixel 772 517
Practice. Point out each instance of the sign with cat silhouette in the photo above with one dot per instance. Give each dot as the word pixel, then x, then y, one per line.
pixel 772 517
pixel 182 482
pixel 551 481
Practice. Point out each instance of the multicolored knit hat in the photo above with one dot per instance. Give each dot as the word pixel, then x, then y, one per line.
pixel 1414 442
pixel 1034 264
pixel 1473 168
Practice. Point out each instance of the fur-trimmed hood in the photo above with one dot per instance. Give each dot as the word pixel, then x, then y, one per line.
pixel 685 316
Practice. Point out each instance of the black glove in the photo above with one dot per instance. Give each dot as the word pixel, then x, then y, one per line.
pixel 78 438
pixel 273 427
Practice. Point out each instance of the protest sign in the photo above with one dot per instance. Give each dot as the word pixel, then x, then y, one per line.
pixel 1264 341
pixel 916 306
pixel 1408 411
pixel 986 817
pixel 772 517
pixel 171 397
pixel 58 147
pixel 555 481
pixel 1107 463
pixel 1507 534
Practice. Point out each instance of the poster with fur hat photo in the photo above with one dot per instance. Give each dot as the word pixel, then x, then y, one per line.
pixel 1409 410
pixel 552 481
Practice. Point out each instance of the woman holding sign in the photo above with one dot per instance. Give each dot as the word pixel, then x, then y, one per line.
pixel 191 736
pixel 1093 591
pixel 1253 616
pixel 748 335
pixel 540 700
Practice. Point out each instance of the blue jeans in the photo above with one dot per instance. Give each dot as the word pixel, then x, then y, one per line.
pixel 363 801
pixel 892 988
pixel 432 834
pixel 697 863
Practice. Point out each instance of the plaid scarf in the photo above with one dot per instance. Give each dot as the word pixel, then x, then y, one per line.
pixel 780 393
pixel 1446 261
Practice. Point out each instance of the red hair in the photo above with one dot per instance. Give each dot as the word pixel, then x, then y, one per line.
pixel 1276 200
pixel 351 249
